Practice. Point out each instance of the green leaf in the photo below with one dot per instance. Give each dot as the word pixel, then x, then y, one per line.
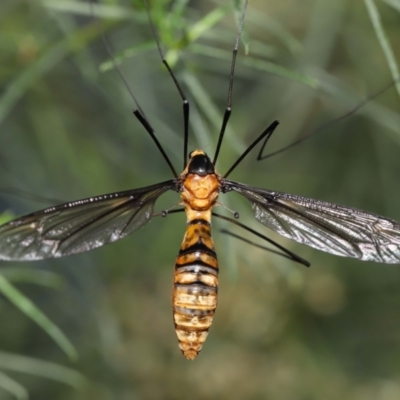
pixel 41 368
pixel 127 53
pixel 28 275
pixel 33 312
pixel 13 387
pixel 383 41
pixel 5 217
pixel 206 23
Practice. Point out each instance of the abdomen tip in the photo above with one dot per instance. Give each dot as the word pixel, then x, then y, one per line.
pixel 190 354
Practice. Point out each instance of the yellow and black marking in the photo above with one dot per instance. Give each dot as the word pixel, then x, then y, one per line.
pixel 194 297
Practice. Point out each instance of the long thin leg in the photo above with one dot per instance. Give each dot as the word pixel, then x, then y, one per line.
pixel 286 253
pixel 266 134
pixel 243 239
pixel 138 112
pixel 185 101
pixel 324 126
pixel 228 109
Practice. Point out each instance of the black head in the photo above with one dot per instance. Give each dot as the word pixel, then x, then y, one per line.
pixel 200 164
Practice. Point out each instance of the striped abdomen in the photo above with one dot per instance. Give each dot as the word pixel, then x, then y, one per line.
pixel 194 297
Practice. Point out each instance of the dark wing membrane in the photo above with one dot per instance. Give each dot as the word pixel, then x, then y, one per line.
pixel 79 226
pixel 339 230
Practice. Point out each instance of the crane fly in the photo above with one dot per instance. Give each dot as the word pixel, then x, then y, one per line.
pixel 84 225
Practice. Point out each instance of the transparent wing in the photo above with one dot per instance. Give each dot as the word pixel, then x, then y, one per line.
pixel 335 229
pixel 79 226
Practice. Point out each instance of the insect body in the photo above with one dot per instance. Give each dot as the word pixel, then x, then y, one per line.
pixel 195 292
pixel 83 225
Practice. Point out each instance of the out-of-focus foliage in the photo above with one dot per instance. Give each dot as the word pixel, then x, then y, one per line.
pixel 281 331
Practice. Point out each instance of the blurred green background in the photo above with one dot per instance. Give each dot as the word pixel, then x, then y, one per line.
pixel 281 331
